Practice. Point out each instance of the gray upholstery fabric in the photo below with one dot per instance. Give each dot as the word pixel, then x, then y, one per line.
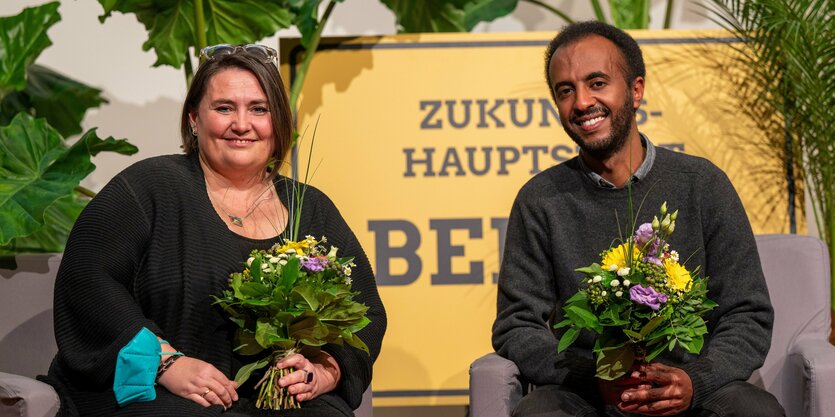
pixel 800 367
pixel 27 341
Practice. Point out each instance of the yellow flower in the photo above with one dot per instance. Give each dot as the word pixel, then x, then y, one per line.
pixel 678 278
pixel 300 247
pixel 617 256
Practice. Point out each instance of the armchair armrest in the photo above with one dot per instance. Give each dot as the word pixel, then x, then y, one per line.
pixel 815 361
pixel 495 388
pixel 25 397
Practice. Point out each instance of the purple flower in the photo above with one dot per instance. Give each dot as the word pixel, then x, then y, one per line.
pixel 647 296
pixel 654 260
pixel 315 264
pixel 643 234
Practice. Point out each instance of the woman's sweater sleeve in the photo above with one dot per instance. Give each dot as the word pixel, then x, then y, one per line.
pixel 95 311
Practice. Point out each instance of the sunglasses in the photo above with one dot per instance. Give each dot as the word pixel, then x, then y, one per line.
pixel 263 53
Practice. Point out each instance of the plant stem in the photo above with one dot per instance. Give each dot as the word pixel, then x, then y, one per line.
pixel 296 88
pixel 668 14
pixel 199 25
pixel 552 9
pixel 85 191
pixel 598 11
pixel 644 23
pixel 188 69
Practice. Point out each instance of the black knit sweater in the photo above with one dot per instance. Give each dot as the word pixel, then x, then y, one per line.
pixel 149 251
pixel 561 221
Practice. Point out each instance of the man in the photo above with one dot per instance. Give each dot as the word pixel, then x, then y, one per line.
pixel 565 216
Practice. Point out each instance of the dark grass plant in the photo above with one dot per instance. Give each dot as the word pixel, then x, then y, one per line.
pixel 788 88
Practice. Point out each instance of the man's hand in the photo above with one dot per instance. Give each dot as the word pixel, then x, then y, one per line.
pixel 661 391
pixel 612 391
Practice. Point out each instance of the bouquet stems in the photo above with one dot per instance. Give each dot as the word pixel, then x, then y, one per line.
pixel 272 396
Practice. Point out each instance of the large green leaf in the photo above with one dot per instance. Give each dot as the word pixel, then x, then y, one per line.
pixel 58 221
pixel 630 14
pixel 446 15
pixel 171 23
pixel 22 38
pixel 48 94
pixel 37 168
pixel 306 18
pixel 476 12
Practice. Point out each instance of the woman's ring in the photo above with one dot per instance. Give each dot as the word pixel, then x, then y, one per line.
pixel 308 376
pixel 206 392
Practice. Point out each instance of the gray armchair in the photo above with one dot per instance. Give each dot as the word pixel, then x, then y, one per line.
pixel 799 369
pixel 27 339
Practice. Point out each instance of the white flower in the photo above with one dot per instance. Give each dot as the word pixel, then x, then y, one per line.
pixel 348 281
pixel 265 266
pixel 332 253
pixel 619 293
pixel 614 283
pixel 346 270
pixel 623 272
pixel 674 255
pixel 613 267
pixel 603 294
pixel 626 282
pixel 290 251
pixel 597 278
pixel 249 261
pixel 282 262
pixel 273 260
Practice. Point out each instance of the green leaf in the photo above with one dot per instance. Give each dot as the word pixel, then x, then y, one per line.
pixel 290 273
pixel 171 24
pixel 22 38
pixel 613 363
pixel 568 338
pixel 246 344
pixel 246 370
pixel 583 317
pixel 36 169
pixel 630 14
pixel 58 221
pixel 264 331
pixel 428 15
pixel 634 335
pixel 651 325
pixel 479 11
pixel 308 294
pixel 48 94
pixel 356 342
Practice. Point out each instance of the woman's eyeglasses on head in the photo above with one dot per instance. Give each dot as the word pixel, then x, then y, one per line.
pixel 263 53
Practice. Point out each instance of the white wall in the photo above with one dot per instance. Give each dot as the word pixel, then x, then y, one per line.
pixel 145 101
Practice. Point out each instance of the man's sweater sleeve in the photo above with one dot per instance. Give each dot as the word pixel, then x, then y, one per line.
pixel 740 327
pixel 526 300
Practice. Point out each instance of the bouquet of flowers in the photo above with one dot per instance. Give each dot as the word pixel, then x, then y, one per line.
pixel 640 301
pixel 294 297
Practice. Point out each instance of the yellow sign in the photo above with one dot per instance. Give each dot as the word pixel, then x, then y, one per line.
pixel 423 142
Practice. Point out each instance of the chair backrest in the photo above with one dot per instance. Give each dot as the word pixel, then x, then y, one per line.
pixel 27 340
pixel 796 271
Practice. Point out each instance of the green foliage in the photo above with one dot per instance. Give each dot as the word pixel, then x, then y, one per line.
pixel 172 25
pixel 630 14
pixel 446 15
pixel 37 169
pixel 665 313
pixel 282 305
pixel 39 172
pixel 22 38
pixel 62 101
pixel 788 89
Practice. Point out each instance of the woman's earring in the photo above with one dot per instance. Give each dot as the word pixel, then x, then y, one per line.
pixel 194 130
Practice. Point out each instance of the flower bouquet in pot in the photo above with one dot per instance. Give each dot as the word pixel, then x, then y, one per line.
pixel 640 300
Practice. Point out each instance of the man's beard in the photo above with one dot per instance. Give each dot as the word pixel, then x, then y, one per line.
pixel 621 125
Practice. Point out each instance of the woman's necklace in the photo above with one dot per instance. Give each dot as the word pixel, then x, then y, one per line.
pixel 239 220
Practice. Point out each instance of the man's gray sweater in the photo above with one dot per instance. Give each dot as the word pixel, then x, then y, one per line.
pixel 561 220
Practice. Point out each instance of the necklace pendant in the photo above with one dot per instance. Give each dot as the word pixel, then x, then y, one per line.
pixel 237 221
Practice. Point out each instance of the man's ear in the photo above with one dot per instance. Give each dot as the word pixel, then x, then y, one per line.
pixel 637 92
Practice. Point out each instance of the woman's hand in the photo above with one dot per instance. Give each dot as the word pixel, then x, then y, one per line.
pixel 200 382
pixel 313 377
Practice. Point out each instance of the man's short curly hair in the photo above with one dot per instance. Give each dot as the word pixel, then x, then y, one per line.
pixel 629 49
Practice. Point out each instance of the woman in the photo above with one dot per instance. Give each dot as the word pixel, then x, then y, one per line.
pixel 163 236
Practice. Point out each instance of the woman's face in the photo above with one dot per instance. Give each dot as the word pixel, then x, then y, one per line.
pixel 234 127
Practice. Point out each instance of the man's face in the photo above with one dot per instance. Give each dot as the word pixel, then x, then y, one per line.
pixel 595 103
